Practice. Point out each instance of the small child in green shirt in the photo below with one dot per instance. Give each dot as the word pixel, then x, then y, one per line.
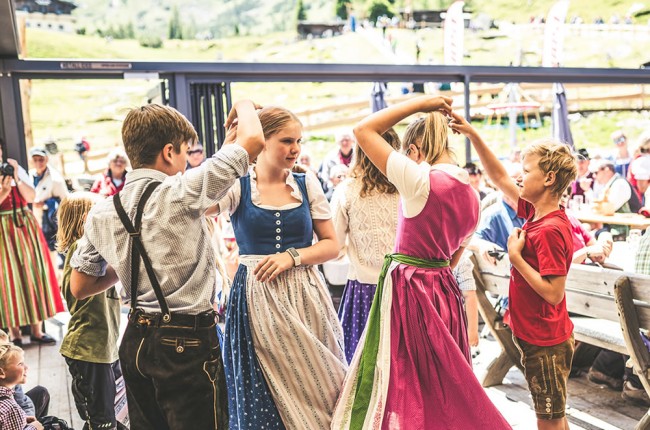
pixel 90 344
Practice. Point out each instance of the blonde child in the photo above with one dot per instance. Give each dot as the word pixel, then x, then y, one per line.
pixel 90 344
pixel 540 254
pixel 13 371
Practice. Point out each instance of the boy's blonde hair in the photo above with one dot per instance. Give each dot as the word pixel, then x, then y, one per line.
pixel 147 129
pixel 554 157
pixel 7 349
pixel 72 217
pixel 370 176
pixel 432 134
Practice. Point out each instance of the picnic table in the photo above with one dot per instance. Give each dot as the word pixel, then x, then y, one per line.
pixel 633 220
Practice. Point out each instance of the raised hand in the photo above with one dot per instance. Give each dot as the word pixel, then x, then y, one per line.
pixel 436 103
pixel 459 124
pixel 14 164
pixel 231 133
pixel 232 115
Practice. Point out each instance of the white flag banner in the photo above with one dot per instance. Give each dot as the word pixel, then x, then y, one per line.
pixel 454 34
pixel 554 34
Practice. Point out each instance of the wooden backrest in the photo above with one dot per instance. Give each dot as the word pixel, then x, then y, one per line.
pixel 590 292
pixel 589 289
pixel 496 279
pixel 641 295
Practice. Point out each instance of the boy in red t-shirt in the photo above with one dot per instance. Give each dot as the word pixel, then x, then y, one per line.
pixel 540 255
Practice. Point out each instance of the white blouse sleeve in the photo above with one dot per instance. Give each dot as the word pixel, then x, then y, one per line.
pixel 24 177
pixel 340 215
pixel 318 204
pixel 230 201
pixel 411 180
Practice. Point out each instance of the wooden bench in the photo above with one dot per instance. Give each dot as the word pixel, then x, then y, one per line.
pixel 608 308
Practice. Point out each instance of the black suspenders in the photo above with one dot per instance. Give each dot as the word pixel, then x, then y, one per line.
pixel 138 252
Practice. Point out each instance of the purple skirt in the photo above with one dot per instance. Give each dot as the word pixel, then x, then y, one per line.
pixel 353 313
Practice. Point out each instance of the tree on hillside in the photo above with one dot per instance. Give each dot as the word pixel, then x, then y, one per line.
pixel 301 14
pixel 129 31
pixel 175 26
pixel 377 8
pixel 342 8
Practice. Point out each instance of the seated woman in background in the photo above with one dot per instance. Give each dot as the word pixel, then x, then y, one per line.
pixel 112 180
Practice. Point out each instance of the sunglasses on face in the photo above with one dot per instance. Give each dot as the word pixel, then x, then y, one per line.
pixel 619 140
pixel 644 150
pixel 118 161
pixel 195 151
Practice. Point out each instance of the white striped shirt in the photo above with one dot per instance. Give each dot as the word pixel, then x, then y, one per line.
pixel 173 232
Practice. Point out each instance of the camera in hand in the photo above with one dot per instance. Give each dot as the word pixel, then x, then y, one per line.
pixel 6 169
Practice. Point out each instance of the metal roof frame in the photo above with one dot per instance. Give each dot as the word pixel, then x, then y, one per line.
pixel 181 74
pixel 314 72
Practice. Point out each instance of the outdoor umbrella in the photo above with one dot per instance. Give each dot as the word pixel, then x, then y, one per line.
pixel 560 117
pixel 377 101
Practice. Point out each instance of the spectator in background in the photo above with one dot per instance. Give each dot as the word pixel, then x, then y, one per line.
pixel 112 180
pixel 29 292
pixel 622 158
pixel 50 188
pixel 642 150
pixel 476 179
pixel 342 155
pixel 585 179
pixel 36 402
pixel 82 147
pixel 641 169
pixel 498 220
pixel 195 156
pixel 614 188
pixel 338 173
pixel 585 246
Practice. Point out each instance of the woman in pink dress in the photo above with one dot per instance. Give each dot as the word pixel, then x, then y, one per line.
pixel 412 369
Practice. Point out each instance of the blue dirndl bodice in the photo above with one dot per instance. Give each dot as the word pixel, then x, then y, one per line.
pixel 268 231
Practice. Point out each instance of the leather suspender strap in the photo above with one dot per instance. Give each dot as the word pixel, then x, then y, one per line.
pixel 138 251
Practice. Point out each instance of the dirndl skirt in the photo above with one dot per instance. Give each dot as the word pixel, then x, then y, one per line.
pixel 29 292
pixel 283 350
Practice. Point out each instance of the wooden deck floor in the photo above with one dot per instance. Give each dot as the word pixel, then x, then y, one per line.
pixel 591 407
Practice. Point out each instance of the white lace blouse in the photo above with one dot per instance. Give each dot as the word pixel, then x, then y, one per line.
pixel 365 227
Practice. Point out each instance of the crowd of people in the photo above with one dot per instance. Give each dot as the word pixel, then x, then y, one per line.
pixel 184 240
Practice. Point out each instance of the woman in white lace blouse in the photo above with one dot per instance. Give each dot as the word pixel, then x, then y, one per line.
pixel 365 218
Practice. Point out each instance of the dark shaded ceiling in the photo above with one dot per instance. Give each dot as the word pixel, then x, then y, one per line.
pixel 9 44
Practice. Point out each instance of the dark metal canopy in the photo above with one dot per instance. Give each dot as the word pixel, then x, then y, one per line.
pixel 9 43
pixel 313 72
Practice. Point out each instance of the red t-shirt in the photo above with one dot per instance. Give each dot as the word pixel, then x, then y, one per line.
pixel 549 250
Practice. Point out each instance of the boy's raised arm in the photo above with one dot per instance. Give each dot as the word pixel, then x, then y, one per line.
pixel 249 134
pixel 493 167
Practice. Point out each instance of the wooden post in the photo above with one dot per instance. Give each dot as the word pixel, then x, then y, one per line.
pixel 25 87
